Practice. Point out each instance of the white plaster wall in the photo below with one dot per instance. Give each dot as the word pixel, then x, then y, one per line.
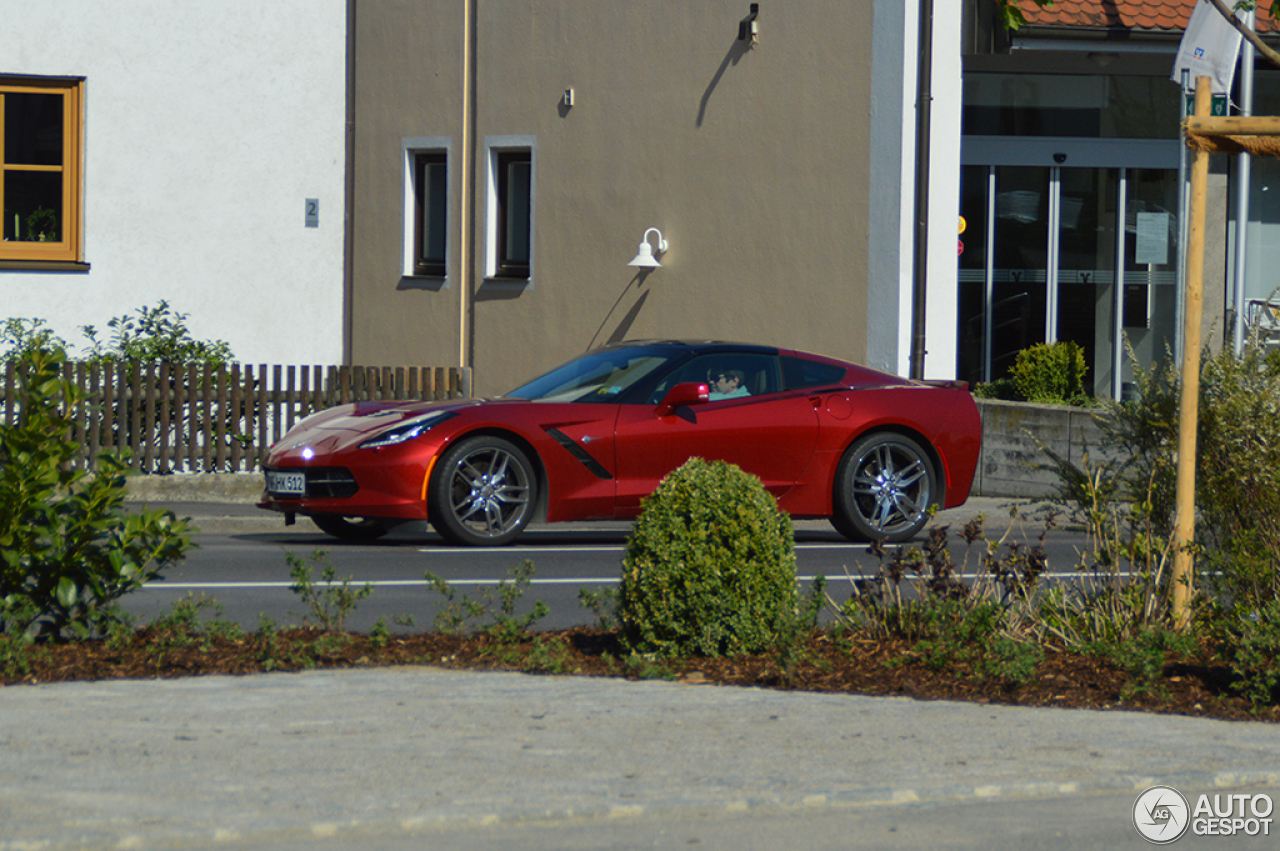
pixel 892 174
pixel 941 325
pixel 941 302
pixel 207 124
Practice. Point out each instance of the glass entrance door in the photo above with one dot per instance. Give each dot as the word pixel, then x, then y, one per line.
pixel 1038 261
pixel 1086 268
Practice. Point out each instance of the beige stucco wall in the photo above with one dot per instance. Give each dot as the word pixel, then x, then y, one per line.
pixel 752 163
pixel 407 84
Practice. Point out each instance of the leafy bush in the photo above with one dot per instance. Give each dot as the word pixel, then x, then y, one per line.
pixel 1129 507
pixel 1142 654
pixel 603 603
pixel 1051 373
pixel 155 334
pixel 1254 654
pixel 148 334
pixel 494 611
pixel 955 632
pixel 1046 373
pixel 983 621
pixel 19 337
pixel 67 548
pixel 1002 388
pixel 1126 535
pixel 1237 467
pixel 1238 475
pixel 16 651
pixel 709 567
pixel 916 590
pixel 331 603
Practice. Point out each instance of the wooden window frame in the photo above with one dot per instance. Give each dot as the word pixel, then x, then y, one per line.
pixel 506 266
pixel 70 248
pixel 424 265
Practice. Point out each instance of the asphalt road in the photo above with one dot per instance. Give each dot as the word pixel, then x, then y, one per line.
pixel 244 565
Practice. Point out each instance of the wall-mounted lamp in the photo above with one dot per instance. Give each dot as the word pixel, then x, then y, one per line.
pixel 748 29
pixel 644 255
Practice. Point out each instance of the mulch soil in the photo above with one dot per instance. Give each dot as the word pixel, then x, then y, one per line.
pixel 831 662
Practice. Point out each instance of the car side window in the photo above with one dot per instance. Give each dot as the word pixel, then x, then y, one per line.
pixel 802 372
pixel 749 374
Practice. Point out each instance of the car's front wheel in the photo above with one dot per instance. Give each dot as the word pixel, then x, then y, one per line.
pixel 356 530
pixel 482 492
pixel 884 487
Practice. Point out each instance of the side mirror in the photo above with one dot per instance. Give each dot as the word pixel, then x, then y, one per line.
pixel 688 393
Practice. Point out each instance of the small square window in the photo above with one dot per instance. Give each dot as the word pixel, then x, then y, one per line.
pixel 431 205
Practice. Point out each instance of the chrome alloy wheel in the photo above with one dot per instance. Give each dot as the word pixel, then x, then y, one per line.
pixel 490 488
pixel 885 488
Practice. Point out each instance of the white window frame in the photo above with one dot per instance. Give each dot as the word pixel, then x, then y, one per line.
pixel 493 146
pixel 412 146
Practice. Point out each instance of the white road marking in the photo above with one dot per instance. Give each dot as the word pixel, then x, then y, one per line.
pixel 570 548
pixel 832 581
pixel 567 549
pixel 376 583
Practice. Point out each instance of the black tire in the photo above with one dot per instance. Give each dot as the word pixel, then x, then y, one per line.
pixel 482 492
pixel 356 530
pixel 884 487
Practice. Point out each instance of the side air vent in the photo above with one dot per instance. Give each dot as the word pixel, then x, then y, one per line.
pixel 578 452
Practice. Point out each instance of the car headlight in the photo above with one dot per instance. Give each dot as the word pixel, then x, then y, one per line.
pixel 408 430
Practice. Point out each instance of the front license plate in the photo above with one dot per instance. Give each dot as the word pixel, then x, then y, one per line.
pixel 286 484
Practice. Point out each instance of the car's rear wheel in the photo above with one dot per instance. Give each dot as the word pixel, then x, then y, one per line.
pixel 353 529
pixel 482 492
pixel 884 487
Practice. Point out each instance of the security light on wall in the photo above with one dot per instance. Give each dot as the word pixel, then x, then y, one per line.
pixel 748 29
pixel 644 255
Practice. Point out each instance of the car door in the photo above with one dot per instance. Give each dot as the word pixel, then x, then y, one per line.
pixel 769 433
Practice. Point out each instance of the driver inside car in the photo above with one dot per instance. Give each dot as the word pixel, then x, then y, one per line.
pixel 727 384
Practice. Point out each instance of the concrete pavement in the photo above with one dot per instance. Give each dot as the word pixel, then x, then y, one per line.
pixel 427 758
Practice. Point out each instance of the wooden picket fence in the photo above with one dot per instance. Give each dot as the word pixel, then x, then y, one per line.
pixel 197 418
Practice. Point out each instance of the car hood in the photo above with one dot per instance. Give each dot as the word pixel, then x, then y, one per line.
pixel 345 426
pixel 371 417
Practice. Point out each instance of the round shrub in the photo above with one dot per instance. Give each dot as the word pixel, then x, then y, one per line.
pixel 1051 373
pixel 710 566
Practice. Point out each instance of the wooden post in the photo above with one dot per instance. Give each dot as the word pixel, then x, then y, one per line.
pixel 1183 578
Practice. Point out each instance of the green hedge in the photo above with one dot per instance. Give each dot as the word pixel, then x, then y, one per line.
pixel 710 566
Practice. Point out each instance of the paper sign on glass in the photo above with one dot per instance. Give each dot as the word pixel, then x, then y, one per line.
pixel 1153 239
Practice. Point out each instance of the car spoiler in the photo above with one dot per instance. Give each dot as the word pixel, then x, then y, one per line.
pixel 949 384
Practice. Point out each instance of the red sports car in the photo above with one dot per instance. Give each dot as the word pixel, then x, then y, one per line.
pixel 590 439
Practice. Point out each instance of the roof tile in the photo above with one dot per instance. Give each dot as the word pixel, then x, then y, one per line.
pixel 1147 15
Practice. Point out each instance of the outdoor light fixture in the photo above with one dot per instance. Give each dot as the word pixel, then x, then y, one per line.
pixel 644 255
pixel 748 29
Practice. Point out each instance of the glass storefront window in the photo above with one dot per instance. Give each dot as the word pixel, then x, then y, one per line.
pixel 1047 243
pixel 1096 106
pixel 1263 234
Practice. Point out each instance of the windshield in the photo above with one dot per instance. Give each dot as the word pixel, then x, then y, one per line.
pixel 601 376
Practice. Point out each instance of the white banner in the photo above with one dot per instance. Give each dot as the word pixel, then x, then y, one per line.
pixel 1209 49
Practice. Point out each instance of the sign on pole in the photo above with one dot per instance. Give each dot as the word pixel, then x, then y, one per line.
pixel 1209 48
